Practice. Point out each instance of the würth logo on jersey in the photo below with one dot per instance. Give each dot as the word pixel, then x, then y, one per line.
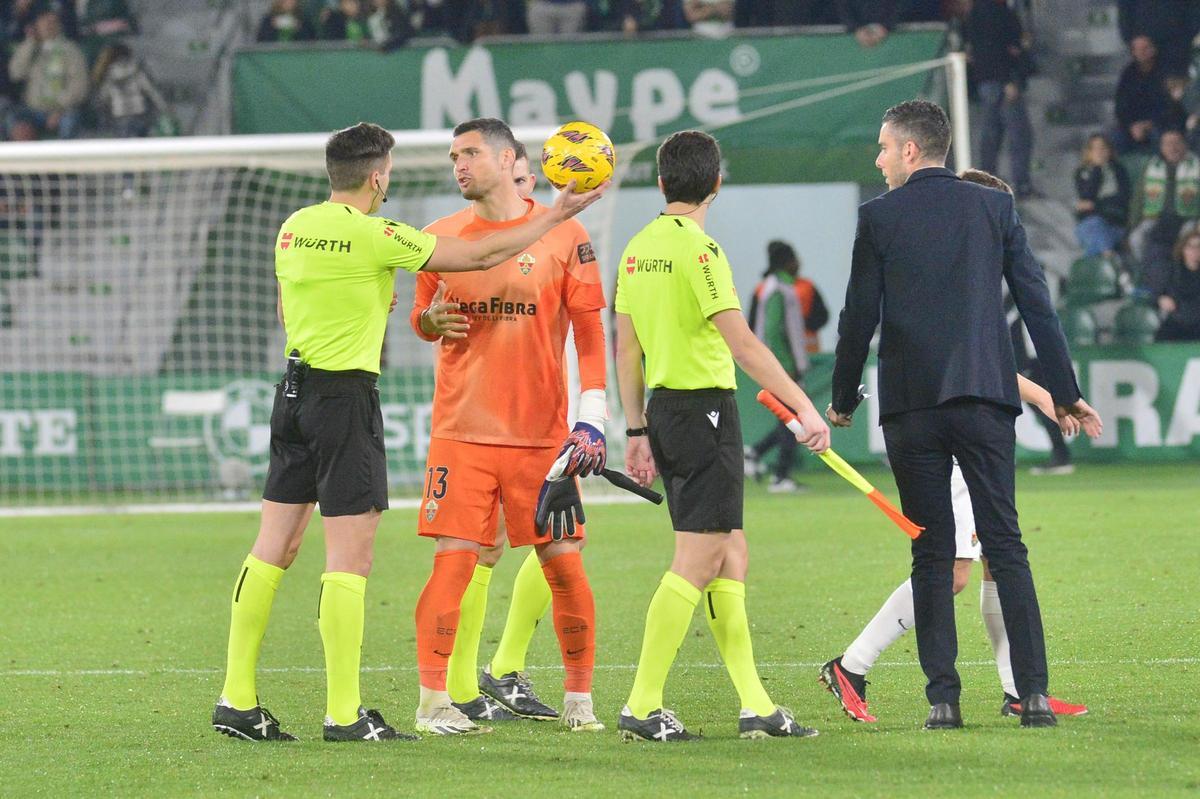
pixel 648 265
pixel 324 245
pixel 285 241
pixel 703 257
pixel 525 263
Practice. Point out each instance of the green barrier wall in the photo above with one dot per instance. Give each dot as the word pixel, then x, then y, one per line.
pixel 636 90
pixel 62 433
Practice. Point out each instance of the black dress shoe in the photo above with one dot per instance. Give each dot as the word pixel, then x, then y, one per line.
pixel 1036 712
pixel 944 716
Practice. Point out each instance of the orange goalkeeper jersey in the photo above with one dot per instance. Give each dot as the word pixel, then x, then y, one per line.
pixel 505 383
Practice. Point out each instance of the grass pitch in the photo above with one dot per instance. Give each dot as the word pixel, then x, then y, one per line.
pixel 114 628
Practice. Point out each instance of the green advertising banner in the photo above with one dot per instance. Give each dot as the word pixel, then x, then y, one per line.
pixel 786 108
pixel 208 435
pixel 1149 398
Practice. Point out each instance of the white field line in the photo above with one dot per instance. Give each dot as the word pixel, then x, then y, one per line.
pixel 599 667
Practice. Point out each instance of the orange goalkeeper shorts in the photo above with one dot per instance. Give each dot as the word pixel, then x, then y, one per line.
pixel 464 486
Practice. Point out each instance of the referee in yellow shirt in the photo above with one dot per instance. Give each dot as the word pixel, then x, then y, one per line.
pixel 336 267
pixel 677 306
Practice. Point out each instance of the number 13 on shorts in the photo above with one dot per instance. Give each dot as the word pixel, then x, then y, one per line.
pixel 435 482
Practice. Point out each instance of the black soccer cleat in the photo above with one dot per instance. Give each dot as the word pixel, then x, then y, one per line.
pixel 255 724
pixel 661 725
pixel 369 727
pixel 484 708
pixel 849 688
pixel 780 724
pixel 516 694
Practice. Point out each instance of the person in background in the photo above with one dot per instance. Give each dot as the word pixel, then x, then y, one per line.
pixel 1180 301
pixel 345 23
pixel 869 20
pixel 1167 199
pixel 556 17
pixel 712 19
pixel 124 92
pixel 99 23
pixel 1170 23
pixel 284 23
pixel 389 25
pixel 1102 186
pixel 994 39
pixel 55 75
pixel 778 320
pixel 1144 108
pixel 651 15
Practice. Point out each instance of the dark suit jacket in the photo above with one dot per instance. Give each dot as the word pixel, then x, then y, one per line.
pixel 930 256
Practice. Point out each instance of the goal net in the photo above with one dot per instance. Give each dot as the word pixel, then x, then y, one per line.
pixel 138 340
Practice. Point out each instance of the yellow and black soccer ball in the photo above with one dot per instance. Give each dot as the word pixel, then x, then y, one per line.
pixel 581 152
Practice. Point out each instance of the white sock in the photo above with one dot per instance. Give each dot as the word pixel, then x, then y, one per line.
pixel 893 620
pixel 431 699
pixel 576 696
pixel 993 620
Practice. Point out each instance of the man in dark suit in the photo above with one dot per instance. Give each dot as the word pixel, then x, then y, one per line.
pixel 929 256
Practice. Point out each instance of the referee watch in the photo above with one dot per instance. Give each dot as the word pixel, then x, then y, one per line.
pixel 633 432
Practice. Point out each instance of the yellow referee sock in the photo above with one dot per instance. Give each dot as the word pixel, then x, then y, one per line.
pixel 530 601
pixel 461 681
pixel 340 618
pixel 253 594
pixel 667 622
pixel 726 612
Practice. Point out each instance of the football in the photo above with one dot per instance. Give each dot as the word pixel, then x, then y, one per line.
pixel 581 152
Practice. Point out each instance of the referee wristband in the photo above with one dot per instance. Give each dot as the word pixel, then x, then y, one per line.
pixel 633 432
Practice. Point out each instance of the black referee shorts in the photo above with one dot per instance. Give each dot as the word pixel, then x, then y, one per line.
pixel 327 445
pixel 696 438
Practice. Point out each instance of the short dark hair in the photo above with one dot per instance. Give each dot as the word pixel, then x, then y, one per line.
pixel 780 255
pixel 496 131
pixel 923 123
pixel 520 151
pixel 353 153
pixel 689 163
pixel 985 179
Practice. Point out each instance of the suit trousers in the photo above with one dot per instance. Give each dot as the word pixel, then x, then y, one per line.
pixel 920 446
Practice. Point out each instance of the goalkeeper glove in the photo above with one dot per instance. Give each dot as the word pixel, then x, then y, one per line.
pixel 585 447
pixel 559 507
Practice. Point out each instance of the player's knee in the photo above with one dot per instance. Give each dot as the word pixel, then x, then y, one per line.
pixel 490 556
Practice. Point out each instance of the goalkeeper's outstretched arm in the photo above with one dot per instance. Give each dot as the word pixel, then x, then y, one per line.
pixel 458 255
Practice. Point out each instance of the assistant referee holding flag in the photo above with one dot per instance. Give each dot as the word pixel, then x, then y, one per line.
pixel 336 268
pixel 676 304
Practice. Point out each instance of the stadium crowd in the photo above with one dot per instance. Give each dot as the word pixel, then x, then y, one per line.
pixel 389 23
pixel 1138 183
pixel 67 67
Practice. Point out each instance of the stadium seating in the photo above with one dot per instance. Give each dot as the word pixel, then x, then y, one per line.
pixel 1136 323
pixel 1092 280
pixel 1079 324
